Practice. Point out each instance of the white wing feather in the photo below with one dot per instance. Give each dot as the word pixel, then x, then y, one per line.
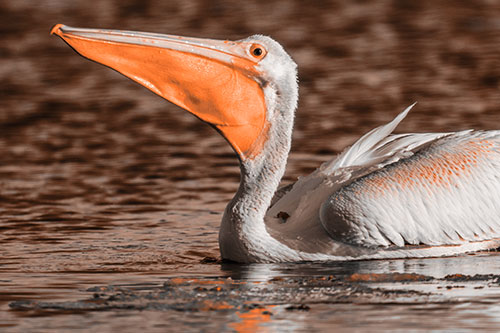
pixel 447 194
pixel 374 151
pixel 365 149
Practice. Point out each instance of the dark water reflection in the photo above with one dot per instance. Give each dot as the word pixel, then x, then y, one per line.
pixel 444 304
pixel 103 183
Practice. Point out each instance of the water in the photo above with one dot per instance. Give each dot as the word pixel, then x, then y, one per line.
pixel 104 184
pixel 421 304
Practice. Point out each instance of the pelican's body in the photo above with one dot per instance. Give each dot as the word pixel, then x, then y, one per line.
pixel 386 196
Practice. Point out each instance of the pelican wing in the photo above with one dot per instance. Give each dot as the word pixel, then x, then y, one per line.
pixel 373 151
pixel 384 190
pixel 446 193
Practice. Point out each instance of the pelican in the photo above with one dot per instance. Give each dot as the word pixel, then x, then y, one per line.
pixel 386 196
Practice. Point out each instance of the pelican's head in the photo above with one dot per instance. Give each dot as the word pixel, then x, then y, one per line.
pixel 234 86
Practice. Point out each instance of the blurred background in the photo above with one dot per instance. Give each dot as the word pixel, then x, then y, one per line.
pixel 360 63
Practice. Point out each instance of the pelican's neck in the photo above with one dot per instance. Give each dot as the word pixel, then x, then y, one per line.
pixel 243 236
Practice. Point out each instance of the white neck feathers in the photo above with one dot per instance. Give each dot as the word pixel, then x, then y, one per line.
pixel 243 236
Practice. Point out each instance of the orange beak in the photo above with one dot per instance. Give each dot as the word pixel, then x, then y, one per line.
pixel 217 81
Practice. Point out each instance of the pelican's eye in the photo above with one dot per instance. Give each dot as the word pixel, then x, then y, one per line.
pixel 257 51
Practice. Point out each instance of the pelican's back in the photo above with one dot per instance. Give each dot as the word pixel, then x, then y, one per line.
pixel 446 193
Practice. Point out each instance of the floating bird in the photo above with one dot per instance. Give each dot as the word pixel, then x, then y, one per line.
pixel 386 196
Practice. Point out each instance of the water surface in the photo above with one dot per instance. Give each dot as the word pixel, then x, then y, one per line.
pixel 106 189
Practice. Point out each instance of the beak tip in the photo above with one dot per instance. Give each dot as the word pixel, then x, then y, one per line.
pixel 56 29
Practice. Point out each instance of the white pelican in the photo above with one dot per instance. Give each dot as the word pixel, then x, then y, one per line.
pixel 386 196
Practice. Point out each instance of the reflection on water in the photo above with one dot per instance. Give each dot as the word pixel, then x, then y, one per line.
pixel 446 291
pixel 480 263
pixel 104 184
